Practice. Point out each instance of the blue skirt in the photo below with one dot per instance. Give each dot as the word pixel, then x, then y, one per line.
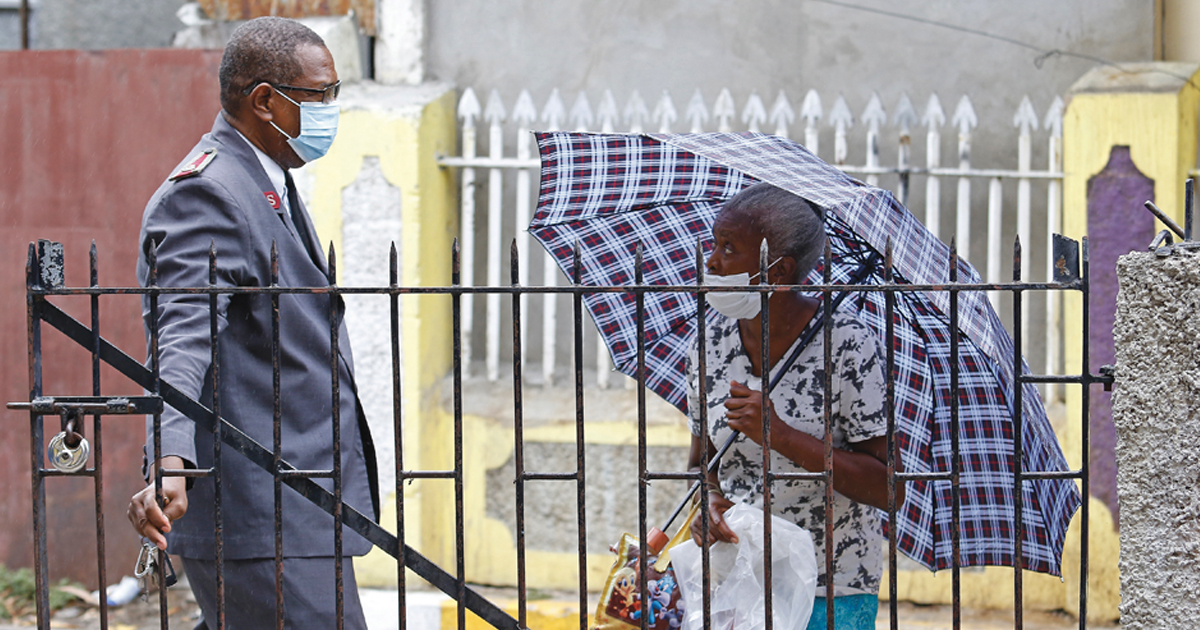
pixel 850 612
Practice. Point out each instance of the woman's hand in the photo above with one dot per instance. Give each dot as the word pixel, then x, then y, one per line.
pixel 743 412
pixel 718 529
pixel 860 468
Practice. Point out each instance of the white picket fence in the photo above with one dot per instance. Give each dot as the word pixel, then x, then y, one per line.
pixel 512 128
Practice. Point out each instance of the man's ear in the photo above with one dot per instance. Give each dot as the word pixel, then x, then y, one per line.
pixel 258 102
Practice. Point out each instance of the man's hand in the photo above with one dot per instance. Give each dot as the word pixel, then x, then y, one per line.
pixel 144 514
pixel 718 529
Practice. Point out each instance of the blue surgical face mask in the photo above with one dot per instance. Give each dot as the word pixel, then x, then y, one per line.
pixel 318 127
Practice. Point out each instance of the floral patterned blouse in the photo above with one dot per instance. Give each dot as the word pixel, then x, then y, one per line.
pixel 858 414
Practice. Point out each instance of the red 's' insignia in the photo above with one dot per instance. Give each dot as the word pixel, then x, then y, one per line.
pixel 195 164
pixel 272 198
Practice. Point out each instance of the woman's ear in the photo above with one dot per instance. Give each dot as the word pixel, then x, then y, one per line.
pixel 784 271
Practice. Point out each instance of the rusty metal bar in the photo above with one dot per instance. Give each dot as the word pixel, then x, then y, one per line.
pixel 643 481
pixel 293 473
pixel 827 439
pixel 36 439
pixel 95 405
pixel 893 447
pixel 1166 220
pixel 705 439
pixel 156 389
pixel 97 439
pixel 518 435
pixel 549 476
pixel 503 290
pixel 397 434
pixel 1189 191
pixel 277 438
pixel 429 474
pixel 460 584
pixel 1018 419
pixel 580 446
pixel 335 321
pixel 764 374
pixel 1085 436
pixel 218 489
pixel 955 461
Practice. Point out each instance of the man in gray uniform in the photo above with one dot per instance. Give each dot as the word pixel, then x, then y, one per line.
pixel 234 192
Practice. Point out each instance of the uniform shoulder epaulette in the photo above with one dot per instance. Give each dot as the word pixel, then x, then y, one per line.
pixel 196 164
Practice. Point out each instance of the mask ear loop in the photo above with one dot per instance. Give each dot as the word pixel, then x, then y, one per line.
pixel 272 122
pixel 768 268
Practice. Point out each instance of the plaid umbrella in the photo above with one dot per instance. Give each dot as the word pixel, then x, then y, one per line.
pixel 611 192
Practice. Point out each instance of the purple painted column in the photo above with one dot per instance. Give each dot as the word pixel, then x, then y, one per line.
pixel 1117 224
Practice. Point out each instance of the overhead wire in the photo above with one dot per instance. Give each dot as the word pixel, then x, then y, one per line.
pixel 1043 53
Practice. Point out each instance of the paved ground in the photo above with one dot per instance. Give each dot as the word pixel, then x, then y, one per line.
pixel 425 614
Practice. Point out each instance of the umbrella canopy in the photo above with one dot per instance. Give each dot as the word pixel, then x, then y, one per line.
pixel 610 193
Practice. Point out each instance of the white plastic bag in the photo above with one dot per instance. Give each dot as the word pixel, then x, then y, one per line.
pixel 738 595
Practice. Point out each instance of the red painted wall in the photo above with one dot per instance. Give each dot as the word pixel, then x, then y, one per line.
pixel 85 139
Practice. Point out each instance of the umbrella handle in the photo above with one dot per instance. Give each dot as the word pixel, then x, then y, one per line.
pixel 712 465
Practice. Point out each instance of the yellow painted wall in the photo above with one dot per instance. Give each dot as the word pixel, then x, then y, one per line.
pixel 541 615
pixel 406 128
pixel 1152 108
pixel 491 553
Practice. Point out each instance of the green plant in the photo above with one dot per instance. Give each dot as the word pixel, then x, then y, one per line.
pixel 18 593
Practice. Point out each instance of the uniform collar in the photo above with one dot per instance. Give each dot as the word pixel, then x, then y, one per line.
pixel 273 170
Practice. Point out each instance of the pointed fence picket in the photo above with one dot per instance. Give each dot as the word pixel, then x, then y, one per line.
pixel 515 208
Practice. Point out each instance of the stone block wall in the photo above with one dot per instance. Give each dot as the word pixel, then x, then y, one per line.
pixel 1156 409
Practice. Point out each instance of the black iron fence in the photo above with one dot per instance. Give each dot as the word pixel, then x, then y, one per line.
pixel 68 451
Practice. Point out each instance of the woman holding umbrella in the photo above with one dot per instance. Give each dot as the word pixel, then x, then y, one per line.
pixel 795 240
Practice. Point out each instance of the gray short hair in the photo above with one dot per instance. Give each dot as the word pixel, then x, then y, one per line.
pixel 262 50
pixel 793 226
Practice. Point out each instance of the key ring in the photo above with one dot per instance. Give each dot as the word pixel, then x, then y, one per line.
pixel 145 560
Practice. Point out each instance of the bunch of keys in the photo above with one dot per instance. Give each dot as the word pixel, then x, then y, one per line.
pixel 146 569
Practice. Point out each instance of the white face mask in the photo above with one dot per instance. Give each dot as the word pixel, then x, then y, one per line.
pixel 735 304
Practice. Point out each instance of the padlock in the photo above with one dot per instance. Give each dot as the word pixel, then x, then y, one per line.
pixel 66 458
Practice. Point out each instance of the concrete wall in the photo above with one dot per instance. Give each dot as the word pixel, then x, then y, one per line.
pixel 1154 407
pixel 93 24
pixel 10 28
pixel 1177 21
pixel 762 45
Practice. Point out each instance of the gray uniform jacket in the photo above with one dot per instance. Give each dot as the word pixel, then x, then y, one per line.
pixel 227 205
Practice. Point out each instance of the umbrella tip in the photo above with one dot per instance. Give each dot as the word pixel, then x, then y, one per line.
pixel 656 539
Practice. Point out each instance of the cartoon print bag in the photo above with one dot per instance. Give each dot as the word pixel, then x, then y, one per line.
pixel 620 605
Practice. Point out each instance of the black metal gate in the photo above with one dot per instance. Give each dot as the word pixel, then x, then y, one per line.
pixel 69 456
